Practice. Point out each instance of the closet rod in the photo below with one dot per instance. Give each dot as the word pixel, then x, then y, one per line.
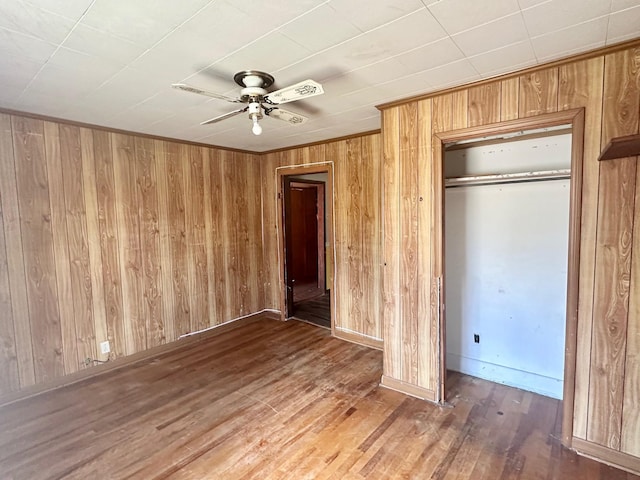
pixel 508 178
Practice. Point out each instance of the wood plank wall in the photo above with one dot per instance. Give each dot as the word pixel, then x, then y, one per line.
pixel 106 236
pixel 357 282
pixel 607 400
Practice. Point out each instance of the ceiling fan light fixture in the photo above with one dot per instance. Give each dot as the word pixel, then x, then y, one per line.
pixel 255 114
pixel 256 129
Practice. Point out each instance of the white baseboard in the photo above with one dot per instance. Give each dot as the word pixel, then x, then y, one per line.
pixel 532 382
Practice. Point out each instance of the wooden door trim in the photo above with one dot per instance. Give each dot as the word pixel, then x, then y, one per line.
pixel 288 170
pixel 574 118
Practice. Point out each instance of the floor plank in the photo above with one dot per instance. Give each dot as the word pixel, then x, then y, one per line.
pixel 281 400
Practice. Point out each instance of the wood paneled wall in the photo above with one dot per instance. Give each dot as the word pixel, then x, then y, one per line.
pixel 357 281
pixel 607 384
pixel 106 236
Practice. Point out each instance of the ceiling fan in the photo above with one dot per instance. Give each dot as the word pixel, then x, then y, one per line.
pixel 254 93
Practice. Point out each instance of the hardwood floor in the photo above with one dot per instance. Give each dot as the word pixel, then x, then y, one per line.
pixel 314 310
pixel 281 400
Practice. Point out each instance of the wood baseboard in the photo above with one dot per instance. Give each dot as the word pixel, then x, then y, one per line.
pixel 408 389
pixel 606 455
pixel 131 359
pixel 359 339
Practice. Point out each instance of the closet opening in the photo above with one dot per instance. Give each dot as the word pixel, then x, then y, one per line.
pixel 507 227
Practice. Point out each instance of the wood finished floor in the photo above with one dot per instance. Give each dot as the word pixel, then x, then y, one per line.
pixel 281 400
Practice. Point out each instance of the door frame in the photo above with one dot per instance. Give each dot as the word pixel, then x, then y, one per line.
pixel 574 119
pixel 290 170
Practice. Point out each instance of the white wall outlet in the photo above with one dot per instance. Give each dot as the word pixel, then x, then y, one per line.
pixel 105 347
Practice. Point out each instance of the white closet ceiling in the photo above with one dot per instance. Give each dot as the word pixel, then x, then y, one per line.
pixel 112 62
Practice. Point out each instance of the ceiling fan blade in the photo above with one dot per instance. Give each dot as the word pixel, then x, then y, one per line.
pixel 305 89
pixel 226 115
pixel 189 88
pixel 285 115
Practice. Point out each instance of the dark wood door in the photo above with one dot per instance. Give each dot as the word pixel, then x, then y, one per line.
pixel 304 234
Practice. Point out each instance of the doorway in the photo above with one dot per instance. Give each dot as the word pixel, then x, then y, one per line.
pixel 506 245
pixel 306 239
pixel 574 122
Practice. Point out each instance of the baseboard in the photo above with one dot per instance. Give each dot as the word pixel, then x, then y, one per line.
pixel 358 338
pixel 408 389
pixel 605 455
pixel 512 377
pixel 131 359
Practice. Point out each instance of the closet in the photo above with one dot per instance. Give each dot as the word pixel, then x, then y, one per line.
pixel 506 225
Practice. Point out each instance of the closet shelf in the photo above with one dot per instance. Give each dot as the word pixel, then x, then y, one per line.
pixel 508 178
pixel 621 147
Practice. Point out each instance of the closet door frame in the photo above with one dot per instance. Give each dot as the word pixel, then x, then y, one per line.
pixel 573 119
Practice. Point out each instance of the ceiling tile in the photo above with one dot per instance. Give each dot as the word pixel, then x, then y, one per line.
pixel 99 44
pixel 319 29
pixel 450 13
pixel 558 14
pixel 144 22
pixel 29 20
pixel 524 4
pixel 502 60
pixel 617 5
pixel 24 46
pixel 431 55
pixel 483 38
pixel 623 25
pixel 362 15
pixel 452 74
pixel 268 54
pixel 273 14
pixel 72 9
pixel 17 72
pixel 560 42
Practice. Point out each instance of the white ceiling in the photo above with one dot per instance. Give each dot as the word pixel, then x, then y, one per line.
pixel 111 62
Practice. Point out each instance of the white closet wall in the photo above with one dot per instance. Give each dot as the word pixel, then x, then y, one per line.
pixel 506 265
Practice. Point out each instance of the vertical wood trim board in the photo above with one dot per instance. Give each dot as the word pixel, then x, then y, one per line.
pixel 108 237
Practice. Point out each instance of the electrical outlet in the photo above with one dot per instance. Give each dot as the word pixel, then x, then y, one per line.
pixel 105 347
pixel 476 338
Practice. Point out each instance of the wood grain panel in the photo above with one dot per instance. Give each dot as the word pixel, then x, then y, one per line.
pixel 15 255
pixel 37 242
pixel 218 230
pixel 70 151
pixel 459 109
pixel 9 375
pixel 152 308
pixel 392 333
pixel 371 268
pixel 509 95
pixel 255 272
pixel 538 93
pixel 229 232
pixel 109 242
pixel 408 181
pixel 580 85
pixel 239 208
pixel 613 254
pixel 195 239
pixel 484 104
pixel 93 239
pixel 426 324
pixel 129 251
pixel 177 235
pixel 353 239
pixel 337 152
pixel 166 278
pixel 629 441
pixel 209 235
pixel 61 248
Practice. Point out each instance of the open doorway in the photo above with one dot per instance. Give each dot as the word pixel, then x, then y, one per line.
pixel 573 121
pixel 306 239
pixel 506 247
